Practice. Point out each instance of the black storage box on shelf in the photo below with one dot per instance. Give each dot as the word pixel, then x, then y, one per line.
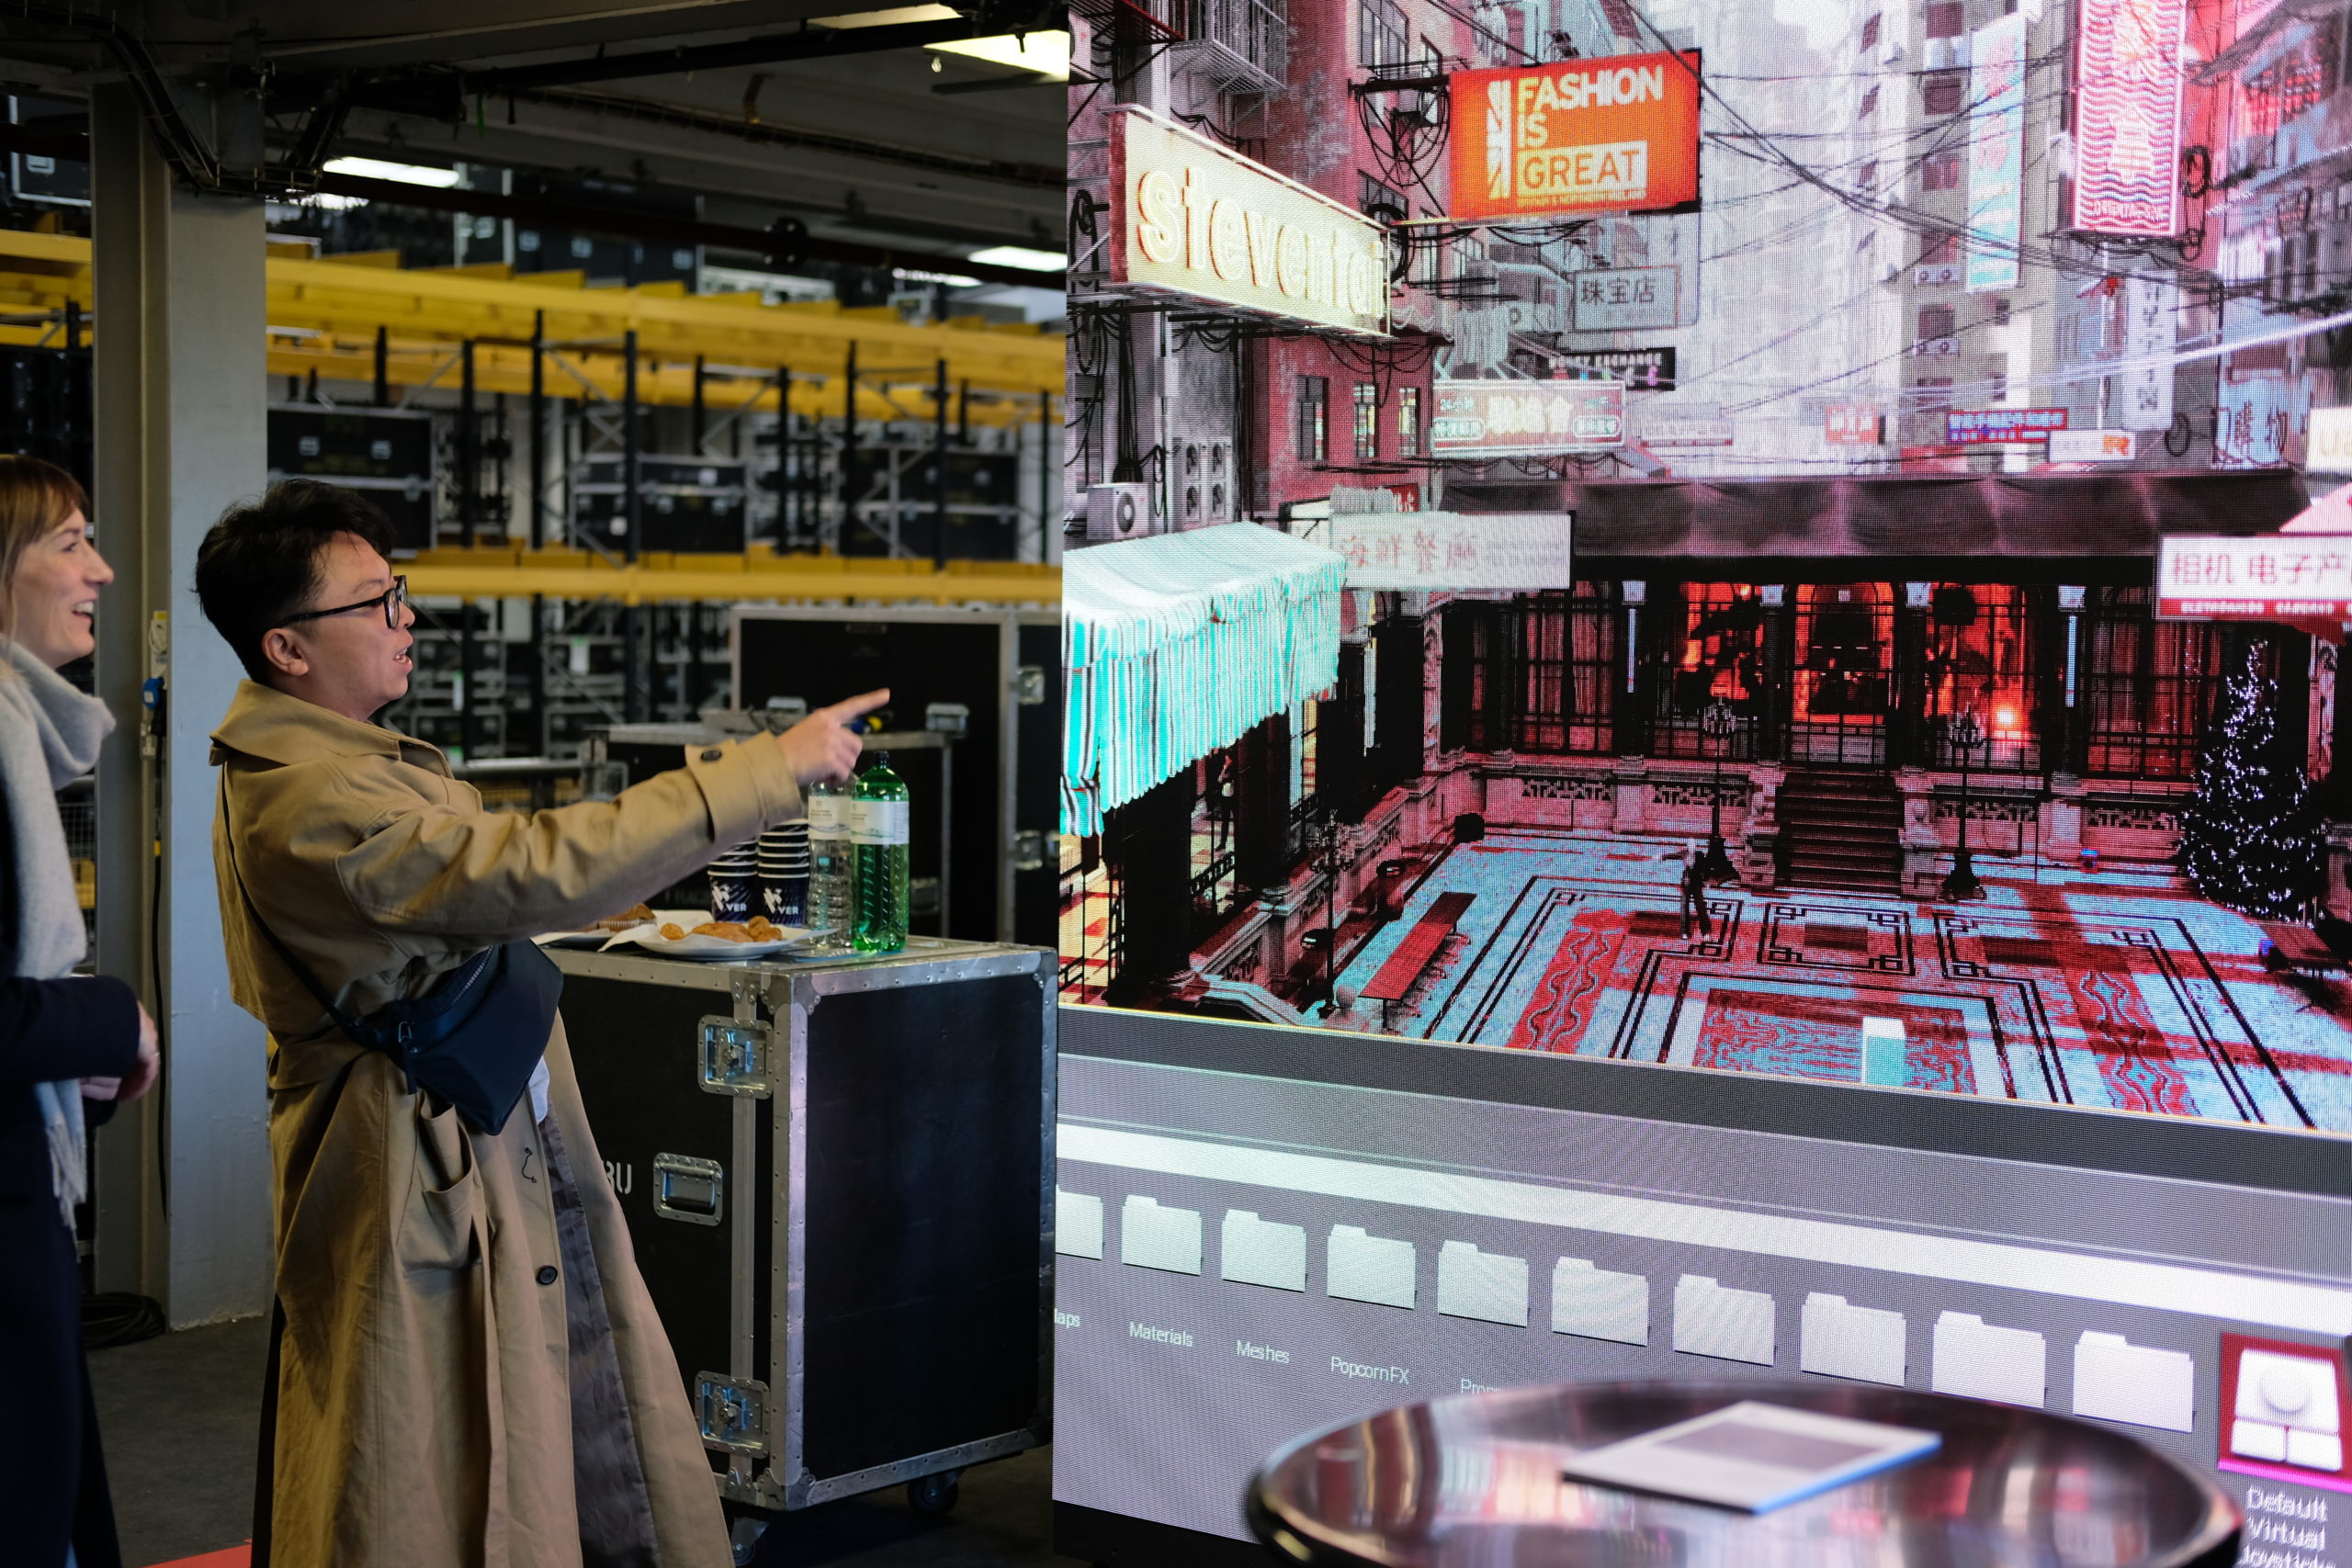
pixel 983 505
pixel 45 405
pixel 387 454
pixel 1004 667
pixel 838 1179
pixel 691 504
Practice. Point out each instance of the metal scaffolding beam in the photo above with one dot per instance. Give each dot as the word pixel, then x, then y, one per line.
pixel 326 315
pixel 756 577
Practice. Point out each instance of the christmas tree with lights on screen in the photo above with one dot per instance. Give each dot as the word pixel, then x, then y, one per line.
pixel 2250 840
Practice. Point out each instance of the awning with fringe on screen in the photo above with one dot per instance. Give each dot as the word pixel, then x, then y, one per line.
pixel 1175 646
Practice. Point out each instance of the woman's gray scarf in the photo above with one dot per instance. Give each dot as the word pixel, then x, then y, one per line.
pixel 50 735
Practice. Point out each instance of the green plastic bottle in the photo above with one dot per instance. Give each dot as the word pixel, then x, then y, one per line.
pixel 878 823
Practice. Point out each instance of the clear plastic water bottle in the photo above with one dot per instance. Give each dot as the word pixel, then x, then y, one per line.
pixel 879 824
pixel 832 905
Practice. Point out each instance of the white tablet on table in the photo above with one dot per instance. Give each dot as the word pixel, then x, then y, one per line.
pixel 1752 1456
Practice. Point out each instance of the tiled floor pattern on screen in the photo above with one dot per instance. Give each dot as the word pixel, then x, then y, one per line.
pixel 2114 989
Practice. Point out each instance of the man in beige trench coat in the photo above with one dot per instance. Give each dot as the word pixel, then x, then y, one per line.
pixel 471 1373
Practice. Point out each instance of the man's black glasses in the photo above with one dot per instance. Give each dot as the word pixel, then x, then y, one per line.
pixel 392 599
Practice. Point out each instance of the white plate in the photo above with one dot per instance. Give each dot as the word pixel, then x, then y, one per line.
pixel 572 939
pixel 715 949
pixel 702 948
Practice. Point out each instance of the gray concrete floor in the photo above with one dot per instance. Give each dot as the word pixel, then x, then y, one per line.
pixel 179 1415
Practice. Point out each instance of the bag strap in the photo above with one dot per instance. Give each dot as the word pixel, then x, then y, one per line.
pixel 349 1025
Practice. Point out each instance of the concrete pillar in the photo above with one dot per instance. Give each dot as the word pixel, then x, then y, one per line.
pixel 2336 897
pixel 1923 847
pixel 181 379
pixel 1759 858
pixel 2061 821
pixel 1629 782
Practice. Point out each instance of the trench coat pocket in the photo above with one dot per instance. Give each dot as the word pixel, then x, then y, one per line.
pixel 438 1231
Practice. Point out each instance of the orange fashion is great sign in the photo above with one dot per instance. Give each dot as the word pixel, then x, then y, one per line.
pixel 1614 134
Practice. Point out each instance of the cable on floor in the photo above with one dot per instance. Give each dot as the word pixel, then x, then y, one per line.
pixel 119 1317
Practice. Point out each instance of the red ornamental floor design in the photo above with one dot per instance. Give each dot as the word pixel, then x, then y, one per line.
pixel 2126 1013
pixel 1820 1037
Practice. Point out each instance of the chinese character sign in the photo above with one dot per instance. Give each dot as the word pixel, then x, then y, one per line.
pixel 1853 425
pixel 1974 426
pixel 1996 152
pixel 1614 134
pixel 1619 299
pixel 2092 446
pixel 2126 116
pixel 2151 331
pixel 1410 551
pixel 2329 446
pixel 1499 419
pixel 2272 578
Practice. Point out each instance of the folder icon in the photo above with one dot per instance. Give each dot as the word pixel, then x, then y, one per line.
pixel 2118 1381
pixel 1078 1225
pixel 1154 1237
pixel 1600 1303
pixel 1974 1358
pixel 1360 1268
pixel 1259 1252
pixel 1841 1341
pixel 1483 1285
pixel 1736 1325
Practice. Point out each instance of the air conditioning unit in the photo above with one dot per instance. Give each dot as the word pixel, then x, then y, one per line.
pixel 1116 512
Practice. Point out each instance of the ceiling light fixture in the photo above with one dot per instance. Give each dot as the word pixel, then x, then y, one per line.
pixel 895 16
pixel 1021 256
pixel 1046 53
pixel 380 169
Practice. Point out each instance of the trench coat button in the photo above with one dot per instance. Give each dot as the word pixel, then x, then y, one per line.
pixel 712 754
pixel 546 1274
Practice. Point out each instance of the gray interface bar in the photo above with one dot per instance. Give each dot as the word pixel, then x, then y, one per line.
pixel 1247 1257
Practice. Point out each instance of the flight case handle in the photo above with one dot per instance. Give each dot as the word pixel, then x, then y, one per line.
pixel 691 1189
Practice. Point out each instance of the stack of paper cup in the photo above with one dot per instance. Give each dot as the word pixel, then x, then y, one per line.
pixel 734 884
pixel 783 859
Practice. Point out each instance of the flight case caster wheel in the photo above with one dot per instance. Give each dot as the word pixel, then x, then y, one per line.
pixel 934 1495
pixel 743 1534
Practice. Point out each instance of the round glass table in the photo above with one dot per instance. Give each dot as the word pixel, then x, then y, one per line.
pixel 1475 1482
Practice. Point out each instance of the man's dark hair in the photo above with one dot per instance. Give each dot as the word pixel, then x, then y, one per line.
pixel 260 562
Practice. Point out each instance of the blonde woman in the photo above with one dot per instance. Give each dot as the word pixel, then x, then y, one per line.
pixel 70 1047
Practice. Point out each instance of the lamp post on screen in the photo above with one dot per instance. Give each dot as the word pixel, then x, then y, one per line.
pixel 1320 833
pixel 1965 734
pixel 1717 723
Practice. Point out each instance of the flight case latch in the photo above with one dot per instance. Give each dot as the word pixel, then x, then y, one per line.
pixel 738 1058
pixel 733 1412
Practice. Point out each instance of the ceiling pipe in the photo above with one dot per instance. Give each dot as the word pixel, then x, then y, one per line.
pixel 786 243
pixel 805 43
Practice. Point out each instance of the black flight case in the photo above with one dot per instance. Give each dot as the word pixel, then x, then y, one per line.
pixel 838 1179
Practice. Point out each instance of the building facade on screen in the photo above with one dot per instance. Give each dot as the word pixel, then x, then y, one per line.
pixel 1862 356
